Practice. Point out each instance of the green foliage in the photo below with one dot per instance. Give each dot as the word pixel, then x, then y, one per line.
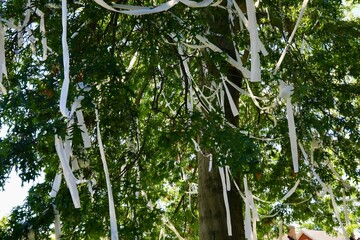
pixel 148 127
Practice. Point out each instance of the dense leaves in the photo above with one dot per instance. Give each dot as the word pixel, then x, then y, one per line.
pixel 149 127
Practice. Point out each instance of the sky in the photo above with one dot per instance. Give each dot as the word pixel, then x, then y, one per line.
pixel 14 194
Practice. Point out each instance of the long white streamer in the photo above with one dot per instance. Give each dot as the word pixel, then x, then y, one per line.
pixel 113 224
pixel 138 10
pixel 237 64
pixel 56 185
pixel 57 224
pixel 248 231
pixel 233 107
pixel 43 32
pixel 62 151
pixel 83 128
pixel 3 70
pixel 291 191
pixel 66 82
pixel 278 64
pixel 226 201
pixel 326 189
pixel 285 92
pixel 254 40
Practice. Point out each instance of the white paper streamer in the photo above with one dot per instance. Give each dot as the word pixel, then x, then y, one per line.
pixel 233 107
pixel 43 32
pixel 248 231
pixel 326 189
pixel 57 223
pixel 83 128
pixel 278 64
pixel 254 39
pixel 66 82
pixel 226 201
pixel 237 64
pixel 56 185
pixel 3 70
pixel 64 155
pixel 138 10
pixel 286 92
pixel 291 191
pixel 113 224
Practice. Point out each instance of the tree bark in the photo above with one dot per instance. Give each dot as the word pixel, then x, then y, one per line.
pixel 213 224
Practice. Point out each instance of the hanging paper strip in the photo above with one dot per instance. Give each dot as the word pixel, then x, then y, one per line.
pixel 63 151
pixel 226 201
pixel 57 223
pixel 113 224
pixel 237 64
pixel 233 106
pixel 3 70
pixel 254 42
pixel 138 10
pixel 248 231
pixel 66 82
pixel 285 92
pixel 278 64
pixel 326 189
pixel 291 191
pixel 56 185
pixel 43 32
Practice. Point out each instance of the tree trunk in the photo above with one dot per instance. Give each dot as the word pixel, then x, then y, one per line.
pixel 213 224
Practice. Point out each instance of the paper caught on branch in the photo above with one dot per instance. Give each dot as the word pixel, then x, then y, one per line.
pixel 285 92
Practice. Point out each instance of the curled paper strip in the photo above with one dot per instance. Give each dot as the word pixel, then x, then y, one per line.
pixel 226 201
pixel 138 10
pixel 3 70
pixel 286 92
pixel 278 64
pixel 113 224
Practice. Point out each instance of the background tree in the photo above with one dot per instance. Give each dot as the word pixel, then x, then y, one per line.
pixel 136 68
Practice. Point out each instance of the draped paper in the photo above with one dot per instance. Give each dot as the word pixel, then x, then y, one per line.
pixel 237 64
pixel 113 224
pixel 63 151
pixel 139 10
pixel 66 82
pixel 254 40
pixel 248 231
pixel 226 201
pixel 57 223
pixel 278 64
pixel 285 92
pixel 56 185
pixel 326 189
pixel 233 106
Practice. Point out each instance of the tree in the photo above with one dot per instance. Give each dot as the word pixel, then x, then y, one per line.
pixel 165 109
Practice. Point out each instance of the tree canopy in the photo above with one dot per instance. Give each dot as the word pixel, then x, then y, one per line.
pixel 168 90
